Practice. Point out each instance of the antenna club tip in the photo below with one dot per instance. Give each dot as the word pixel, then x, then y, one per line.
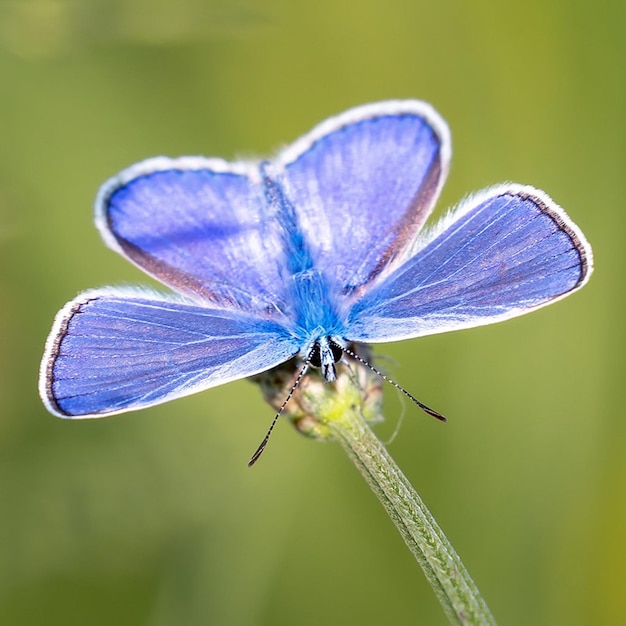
pixel 259 451
pixel 433 413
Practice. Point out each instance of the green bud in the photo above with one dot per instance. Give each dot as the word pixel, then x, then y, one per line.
pixel 315 403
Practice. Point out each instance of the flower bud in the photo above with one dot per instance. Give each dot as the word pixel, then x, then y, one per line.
pixel 315 402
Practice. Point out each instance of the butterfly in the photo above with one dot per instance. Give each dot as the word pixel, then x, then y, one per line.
pixel 322 247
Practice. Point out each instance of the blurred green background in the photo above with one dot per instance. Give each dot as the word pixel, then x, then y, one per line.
pixel 153 517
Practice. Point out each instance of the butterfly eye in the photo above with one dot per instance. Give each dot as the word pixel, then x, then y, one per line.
pixel 336 350
pixel 315 358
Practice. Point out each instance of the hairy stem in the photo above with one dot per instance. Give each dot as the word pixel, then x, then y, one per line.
pixel 442 566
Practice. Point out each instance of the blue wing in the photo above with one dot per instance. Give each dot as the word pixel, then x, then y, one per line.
pixel 117 350
pixel 363 184
pixel 201 226
pixel 505 252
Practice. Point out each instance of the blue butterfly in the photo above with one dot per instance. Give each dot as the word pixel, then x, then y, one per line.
pixel 300 256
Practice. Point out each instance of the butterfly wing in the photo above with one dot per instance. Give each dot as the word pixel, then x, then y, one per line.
pixel 201 226
pixel 505 252
pixel 363 184
pixel 115 350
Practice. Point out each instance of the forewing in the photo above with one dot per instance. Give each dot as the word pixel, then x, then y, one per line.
pixel 118 350
pixel 363 184
pixel 506 252
pixel 201 226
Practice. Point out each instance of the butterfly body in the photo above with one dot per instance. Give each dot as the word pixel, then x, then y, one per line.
pixel 323 246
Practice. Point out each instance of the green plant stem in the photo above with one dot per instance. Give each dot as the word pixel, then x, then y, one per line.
pixel 442 566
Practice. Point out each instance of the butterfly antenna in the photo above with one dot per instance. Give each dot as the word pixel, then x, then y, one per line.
pixel 259 451
pixel 421 405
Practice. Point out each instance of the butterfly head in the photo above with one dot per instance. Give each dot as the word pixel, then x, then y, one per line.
pixel 324 354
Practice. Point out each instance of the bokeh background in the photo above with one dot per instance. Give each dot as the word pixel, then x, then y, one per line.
pixel 153 517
